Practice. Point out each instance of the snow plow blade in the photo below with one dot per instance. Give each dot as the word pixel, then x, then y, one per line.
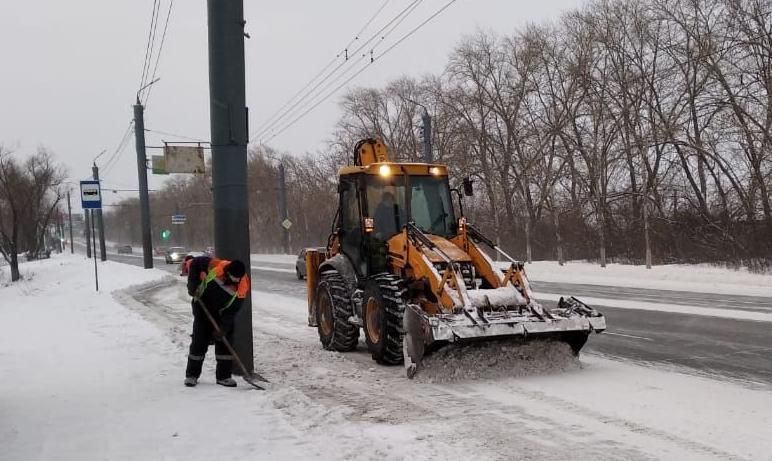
pixel 571 322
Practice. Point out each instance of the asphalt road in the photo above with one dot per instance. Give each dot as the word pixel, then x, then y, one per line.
pixel 711 346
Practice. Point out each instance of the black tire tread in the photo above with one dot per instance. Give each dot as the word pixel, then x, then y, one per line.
pixel 393 291
pixel 345 335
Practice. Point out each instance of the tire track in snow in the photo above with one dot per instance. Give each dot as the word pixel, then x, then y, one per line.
pixel 349 387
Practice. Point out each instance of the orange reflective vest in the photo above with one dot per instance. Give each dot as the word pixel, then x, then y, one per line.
pixel 217 274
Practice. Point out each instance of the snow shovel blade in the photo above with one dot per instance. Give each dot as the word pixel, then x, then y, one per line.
pixel 413 345
pixel 251 380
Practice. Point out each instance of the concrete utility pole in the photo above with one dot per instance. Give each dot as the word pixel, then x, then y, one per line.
pixel 427 130
pixel 69 218
pixel 144 199
pixel 87 223
pixel 228 119
pixel 99 222
pixel 285 240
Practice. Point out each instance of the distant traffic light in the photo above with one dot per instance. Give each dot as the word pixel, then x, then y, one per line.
pixel 165 234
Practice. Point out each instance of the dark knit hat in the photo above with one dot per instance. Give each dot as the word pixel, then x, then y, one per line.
pixel 236 269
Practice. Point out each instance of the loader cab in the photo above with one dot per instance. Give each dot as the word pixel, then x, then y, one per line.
pixel 378 200
pixel 393 200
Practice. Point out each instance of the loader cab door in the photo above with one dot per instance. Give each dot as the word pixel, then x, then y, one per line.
pixel 350 230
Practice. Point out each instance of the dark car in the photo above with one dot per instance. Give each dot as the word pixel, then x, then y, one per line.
pixel 175 255
pixel 300 263
pixel 125 250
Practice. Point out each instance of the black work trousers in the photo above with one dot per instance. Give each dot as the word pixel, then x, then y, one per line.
pixel 203 332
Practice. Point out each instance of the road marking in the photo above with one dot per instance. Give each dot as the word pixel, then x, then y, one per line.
pixel 725 313
pixel 750 350
pixel 627 336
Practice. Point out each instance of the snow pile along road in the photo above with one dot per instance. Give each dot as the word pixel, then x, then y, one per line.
pixel 700 278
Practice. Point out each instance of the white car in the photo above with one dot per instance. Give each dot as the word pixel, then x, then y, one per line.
pixel 175 255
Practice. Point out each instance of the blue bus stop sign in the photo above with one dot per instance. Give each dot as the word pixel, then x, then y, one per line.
pixel 90 195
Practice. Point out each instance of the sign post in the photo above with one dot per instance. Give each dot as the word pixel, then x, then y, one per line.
pixel 91 199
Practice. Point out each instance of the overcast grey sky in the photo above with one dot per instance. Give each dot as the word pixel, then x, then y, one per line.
pixel 70 70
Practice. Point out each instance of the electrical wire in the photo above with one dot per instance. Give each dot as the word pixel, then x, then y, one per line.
pixel 115 156
pixel 166 133
pixel 374 59
pixel 310 93
pixel 160 49
pixel 324 69
pixel 148 45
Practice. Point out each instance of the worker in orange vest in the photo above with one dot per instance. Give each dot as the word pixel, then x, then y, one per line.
pixel 221 286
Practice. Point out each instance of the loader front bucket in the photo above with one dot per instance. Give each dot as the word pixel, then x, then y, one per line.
pixel 571 322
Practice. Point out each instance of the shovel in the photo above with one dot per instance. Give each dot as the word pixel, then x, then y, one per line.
pixel 248 377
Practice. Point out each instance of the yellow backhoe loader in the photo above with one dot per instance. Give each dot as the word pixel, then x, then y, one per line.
pixel 402 267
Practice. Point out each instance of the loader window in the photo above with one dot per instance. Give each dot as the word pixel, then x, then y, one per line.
pixel 350 224
pixel 431 208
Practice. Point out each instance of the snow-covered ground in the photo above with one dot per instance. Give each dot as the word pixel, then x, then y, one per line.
pixel 700 278
pixel 99 376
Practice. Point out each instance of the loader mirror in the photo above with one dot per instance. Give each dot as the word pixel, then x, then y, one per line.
pixel 468 191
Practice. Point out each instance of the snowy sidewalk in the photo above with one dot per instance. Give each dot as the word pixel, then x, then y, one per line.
pixel 84 378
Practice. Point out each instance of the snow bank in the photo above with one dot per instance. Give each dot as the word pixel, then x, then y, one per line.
pixel 734 314
pixel 274 258
pixel 700 278
pixel 680 277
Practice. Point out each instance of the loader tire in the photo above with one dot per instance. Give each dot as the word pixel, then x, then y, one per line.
pixel 383 308
pixel 333 309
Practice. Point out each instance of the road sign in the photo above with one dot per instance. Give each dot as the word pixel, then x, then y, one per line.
pixel 286 224
pixel 178 219
pixel 159 164
pixel 184 159
pixel 90 195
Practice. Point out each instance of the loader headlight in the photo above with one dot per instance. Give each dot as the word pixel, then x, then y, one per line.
pixel 384 171
pixel 435 171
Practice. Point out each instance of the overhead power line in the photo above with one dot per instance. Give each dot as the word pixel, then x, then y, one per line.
pixel 373 60
pixel 343 51
pixel 149 44
pixel 115 156
pixel 160 50
pixel 310 93
pixel 166 133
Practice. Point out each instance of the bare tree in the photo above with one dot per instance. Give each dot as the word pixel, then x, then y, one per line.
pixel 30 192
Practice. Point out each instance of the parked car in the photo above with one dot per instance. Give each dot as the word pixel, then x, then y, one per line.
pixel 300 263
pixel 125 250
pixel 159 251
pixel 175 255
